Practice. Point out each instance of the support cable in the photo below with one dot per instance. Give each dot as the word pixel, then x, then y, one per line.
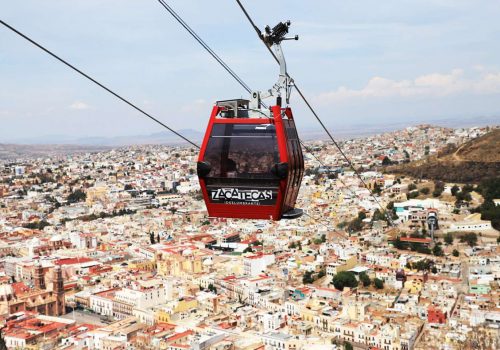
pixel 205 45
pixel 97 83
pixel 223 64
pixel 335 143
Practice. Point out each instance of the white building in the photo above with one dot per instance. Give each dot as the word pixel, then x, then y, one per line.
pixel 254 265
pixel 146 294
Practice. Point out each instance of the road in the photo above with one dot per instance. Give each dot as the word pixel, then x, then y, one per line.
pixel 85 317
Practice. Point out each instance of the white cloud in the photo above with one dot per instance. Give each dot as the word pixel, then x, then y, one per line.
pixel 429 85
pixel 79 105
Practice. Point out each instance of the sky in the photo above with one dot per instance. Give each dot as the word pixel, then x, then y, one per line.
pixel 361 63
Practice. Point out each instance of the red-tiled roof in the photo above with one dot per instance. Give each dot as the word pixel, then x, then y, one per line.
pixel 73 261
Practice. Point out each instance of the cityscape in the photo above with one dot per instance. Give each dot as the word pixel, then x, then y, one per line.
pixel 115 250
pixel 249 175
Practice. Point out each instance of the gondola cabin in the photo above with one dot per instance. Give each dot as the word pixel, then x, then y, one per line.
pixel 250 164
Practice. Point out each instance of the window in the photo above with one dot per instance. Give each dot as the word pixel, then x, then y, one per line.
pixel 242 151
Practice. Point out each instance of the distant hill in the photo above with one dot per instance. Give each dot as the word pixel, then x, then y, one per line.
pixel 14 151
pixel 470 162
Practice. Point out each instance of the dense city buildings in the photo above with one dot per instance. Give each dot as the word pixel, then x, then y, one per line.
pixel 114 250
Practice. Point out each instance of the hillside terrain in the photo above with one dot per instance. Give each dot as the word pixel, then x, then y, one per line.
pixel 470 162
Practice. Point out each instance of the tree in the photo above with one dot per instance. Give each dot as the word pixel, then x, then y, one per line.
pixel 469 238
pixel 412 187
pixel 463 196
pixel 455 253
pixel 454 190
pixel 365 279
pixel 77 196
pixel 212 288
pixel 307 278
pixel 437 250
pixel 448 238
pixel 152 237
pixel 397 243
pixel 438 188
pixel 413 194
pixel 322 273
pixel 248 250
pixel 379 283
pixel 425 190
pixel 344 279
pixel 378 215
pixel 3 346
pixel 434 270
pixel 348 346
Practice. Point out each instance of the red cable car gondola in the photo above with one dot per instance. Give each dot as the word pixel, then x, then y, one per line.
pixel 250 164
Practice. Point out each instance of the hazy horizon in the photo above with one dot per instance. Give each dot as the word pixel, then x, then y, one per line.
pixel 307 134
pixel 359 63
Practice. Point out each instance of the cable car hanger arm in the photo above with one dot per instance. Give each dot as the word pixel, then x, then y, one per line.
pixel 273 38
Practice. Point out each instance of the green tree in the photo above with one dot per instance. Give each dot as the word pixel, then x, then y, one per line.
pixel 413 194
pixel 397 243
pixel 379 283
pixel 248 250
pixel 463 196
pixel 378 215
pixel 425 190
pixel 455 253
pixel 212 288
pixel 365 279
pixel 437 250
pixel 344 279
pixel 454 190
pixel 448 238
pixel 307 278
pixel 469 238
pixel 76 196
pixel 386 161
pixel 348 346
pixel 3 345
pixel 438 188
pixel 355 225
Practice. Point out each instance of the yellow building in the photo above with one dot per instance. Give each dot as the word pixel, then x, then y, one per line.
pixel 96 194
pixel 143 265
pixel 179 264
pixel 414 285
pixel 176 309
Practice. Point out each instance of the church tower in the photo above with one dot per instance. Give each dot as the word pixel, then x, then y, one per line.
pixel 58 290
pixel 38 276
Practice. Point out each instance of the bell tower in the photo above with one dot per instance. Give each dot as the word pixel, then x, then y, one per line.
pixel 58 290
pixel 38 276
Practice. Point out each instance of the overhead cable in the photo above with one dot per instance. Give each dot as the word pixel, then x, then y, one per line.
pixel 97 83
